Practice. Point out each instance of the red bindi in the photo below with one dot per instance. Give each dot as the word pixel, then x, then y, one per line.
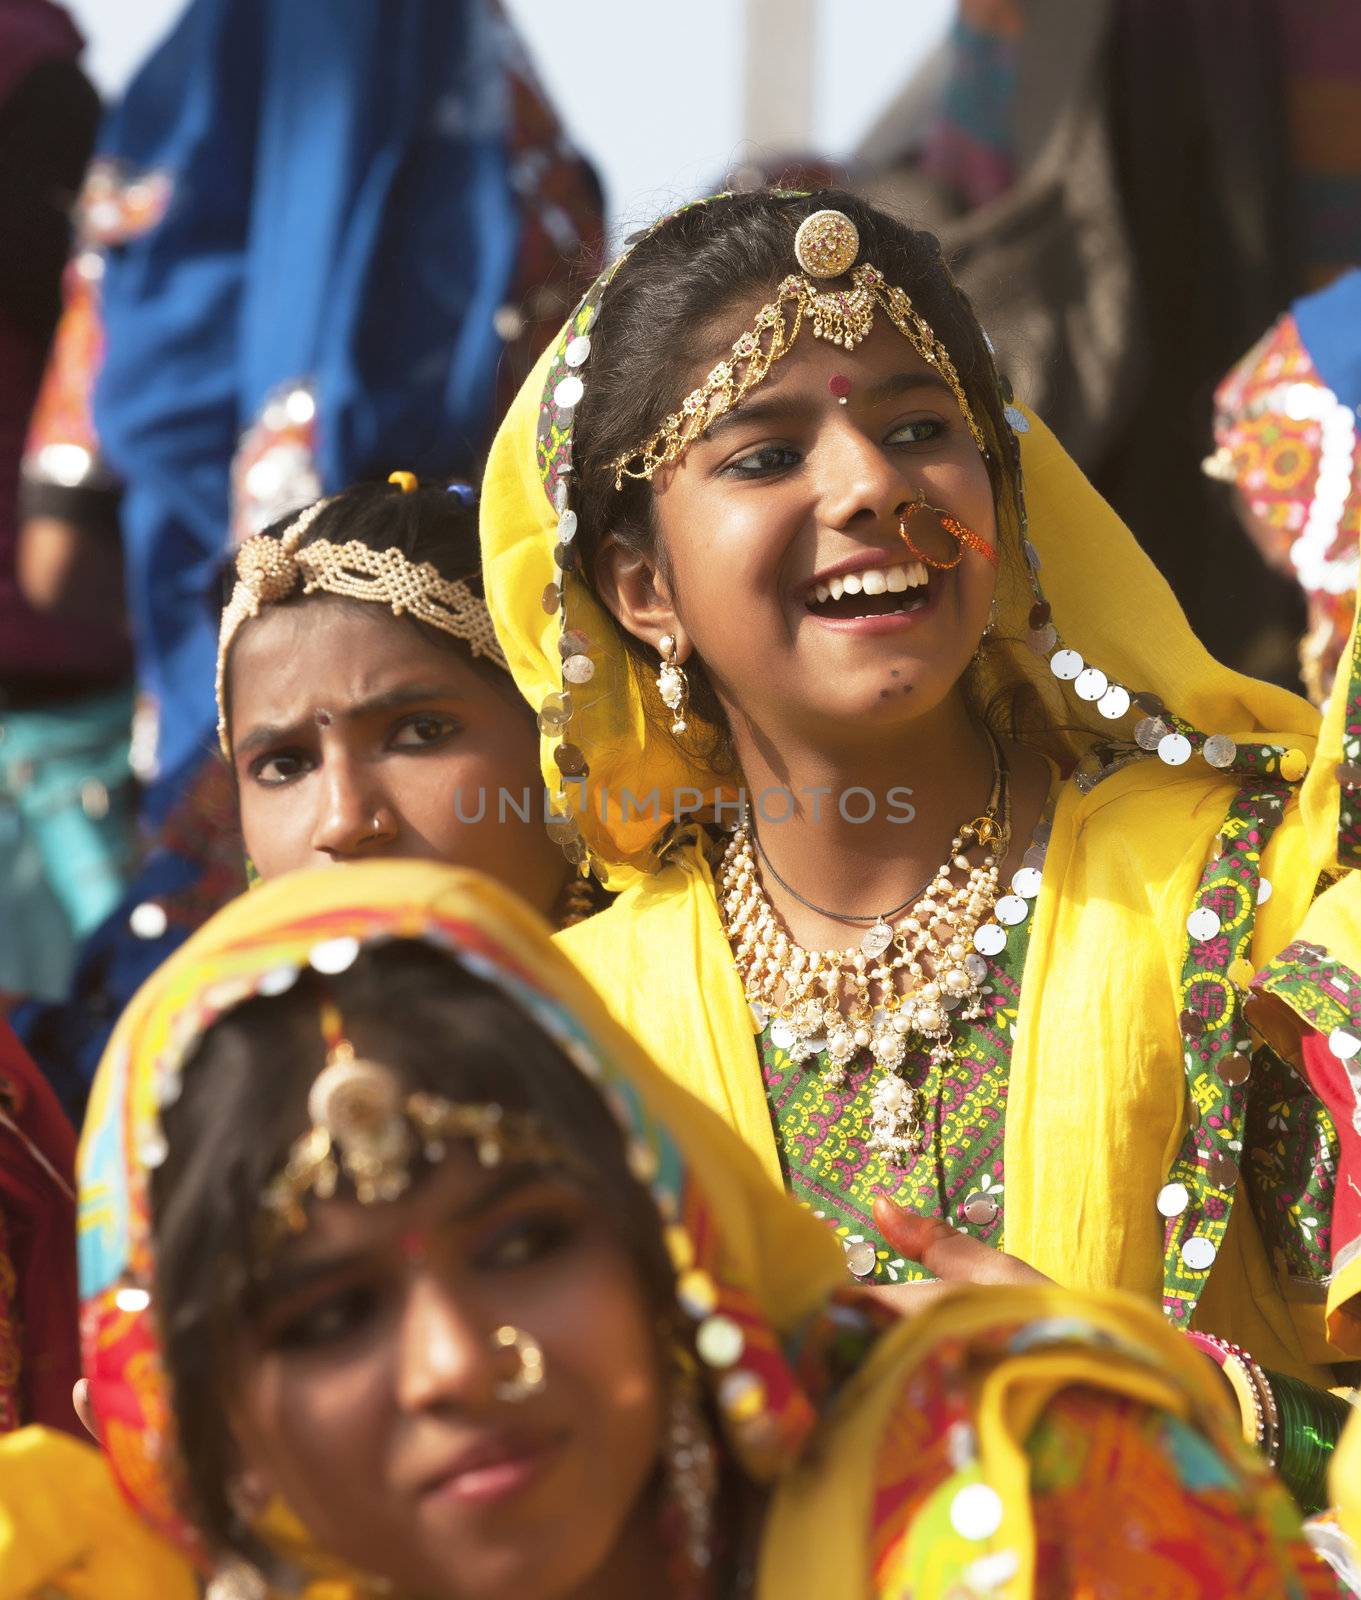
pixel 840 386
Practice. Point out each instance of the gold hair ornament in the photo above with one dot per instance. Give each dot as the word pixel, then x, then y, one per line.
pixel 365 1128
pixel 269 570
pixel 843 316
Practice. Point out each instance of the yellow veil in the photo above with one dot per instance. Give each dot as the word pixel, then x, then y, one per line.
pixel 1101 1111
pixel 840 1416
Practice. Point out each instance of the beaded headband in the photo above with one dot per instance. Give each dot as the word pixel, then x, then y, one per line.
pixel 363 1127
pixel 269 570
pixel 825 246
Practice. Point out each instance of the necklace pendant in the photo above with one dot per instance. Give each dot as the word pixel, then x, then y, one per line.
pixel 877 939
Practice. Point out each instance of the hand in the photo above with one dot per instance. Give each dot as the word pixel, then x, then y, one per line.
pixel 953 1257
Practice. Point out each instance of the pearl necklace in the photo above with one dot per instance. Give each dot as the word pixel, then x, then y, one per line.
pixel 840 1001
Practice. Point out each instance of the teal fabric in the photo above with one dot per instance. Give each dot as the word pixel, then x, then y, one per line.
pixel 66 834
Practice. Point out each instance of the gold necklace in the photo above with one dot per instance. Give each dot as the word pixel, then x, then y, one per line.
pixel 837 1002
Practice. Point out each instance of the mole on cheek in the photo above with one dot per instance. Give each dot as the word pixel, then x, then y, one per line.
pixel 893 672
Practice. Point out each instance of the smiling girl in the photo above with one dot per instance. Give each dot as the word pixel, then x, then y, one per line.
pixel 802 548
pixel 365 705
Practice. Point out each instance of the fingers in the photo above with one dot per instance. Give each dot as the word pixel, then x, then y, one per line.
pixel 910 1299
pixel 951 1256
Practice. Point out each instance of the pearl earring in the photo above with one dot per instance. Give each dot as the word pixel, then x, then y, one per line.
pixel 672 684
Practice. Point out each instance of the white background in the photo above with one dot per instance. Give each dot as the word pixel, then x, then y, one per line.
pixel 656 96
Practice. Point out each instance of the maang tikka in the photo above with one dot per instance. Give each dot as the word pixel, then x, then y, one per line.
pixel 367 1127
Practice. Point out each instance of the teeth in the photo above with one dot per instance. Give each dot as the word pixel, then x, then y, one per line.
pixel 878 580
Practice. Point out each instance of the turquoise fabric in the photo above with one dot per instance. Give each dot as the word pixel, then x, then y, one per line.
pixel 66 834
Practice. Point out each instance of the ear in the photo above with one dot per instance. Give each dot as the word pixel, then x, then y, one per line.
pixel 250 1492
pixel 634 588
pixel 250 1486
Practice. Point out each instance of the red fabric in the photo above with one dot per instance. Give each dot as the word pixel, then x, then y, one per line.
pixel 38 1218
pixel 1331 1082
pixel 31 32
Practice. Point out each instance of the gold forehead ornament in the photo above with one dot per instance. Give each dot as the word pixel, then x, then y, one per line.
pixel 366 1128
pixel 269 570
pixel 826 245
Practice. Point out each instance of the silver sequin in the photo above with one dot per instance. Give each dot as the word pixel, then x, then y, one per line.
pixel 1091 684
pixel 1026 883
pixel 1148 731
pixel 1114 703
pixel 1203 924
pixel 1219 750
pixel 990 940
pixel 1199 1253
pixel 148 920
pixel 976 1512
pixel 578 351
pixel 1343 1044
pixel 719 1342
pixel 1010 910
pixel 861 1258
pixel 1065 665
pixel 979 1209
pixel 568 391
pixel 1173 1199
pixel 333 956
pixel 1174 749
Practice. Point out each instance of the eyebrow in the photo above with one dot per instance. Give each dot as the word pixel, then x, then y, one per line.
pixel 290 1278
pixel 265 734
pixel 798 407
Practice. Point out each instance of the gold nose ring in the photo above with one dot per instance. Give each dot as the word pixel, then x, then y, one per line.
pixel 530 1375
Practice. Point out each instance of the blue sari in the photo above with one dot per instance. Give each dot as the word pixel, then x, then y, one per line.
pixel 370 209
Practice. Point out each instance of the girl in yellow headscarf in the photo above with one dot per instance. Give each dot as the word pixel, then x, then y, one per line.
pixel 951 865
pixel 406 1273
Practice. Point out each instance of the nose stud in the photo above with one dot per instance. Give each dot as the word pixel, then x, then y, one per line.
pixel 530 1375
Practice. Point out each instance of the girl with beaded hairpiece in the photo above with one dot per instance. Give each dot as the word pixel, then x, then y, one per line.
pixel 370 1312
pixel 365 707
pixel 961 874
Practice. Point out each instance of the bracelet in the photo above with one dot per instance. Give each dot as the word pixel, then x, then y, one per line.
pixel 1311 1422
pixel 1295 1425
pixel 1256 1402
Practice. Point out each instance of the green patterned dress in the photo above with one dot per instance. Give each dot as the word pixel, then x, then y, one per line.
pixel 820 1131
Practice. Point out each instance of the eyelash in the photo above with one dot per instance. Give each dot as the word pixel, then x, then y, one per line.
pixel 343 1315
pixel 738 467
pixel 449 726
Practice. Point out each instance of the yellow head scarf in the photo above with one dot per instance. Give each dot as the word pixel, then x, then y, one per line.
pixel 863 1470
pixel 1098 1101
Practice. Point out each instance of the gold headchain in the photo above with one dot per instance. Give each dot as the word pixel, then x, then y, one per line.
pixel 364 1127
pixel 826 245
pixel 269 570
